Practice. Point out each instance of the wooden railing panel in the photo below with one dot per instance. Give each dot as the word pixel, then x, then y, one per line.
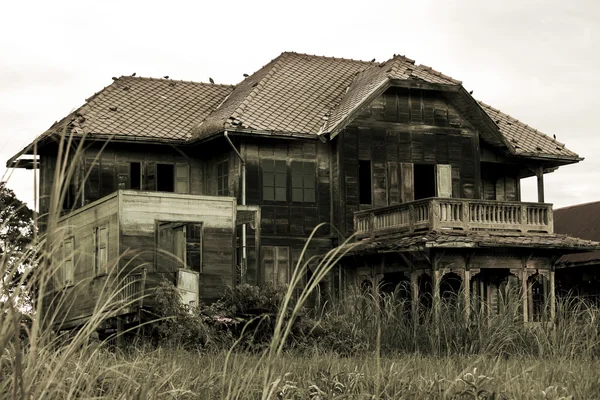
pixel 463 214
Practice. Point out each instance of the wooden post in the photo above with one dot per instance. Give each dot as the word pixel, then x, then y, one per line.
pixel 437 276
pixel 524 296
pixel 414 291
pixel 467 295
pixel 540 183
pixel 530 300
pixel 120 326
pixel 552 297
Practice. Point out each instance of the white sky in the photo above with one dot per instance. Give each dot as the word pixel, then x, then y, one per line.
pixel 539 61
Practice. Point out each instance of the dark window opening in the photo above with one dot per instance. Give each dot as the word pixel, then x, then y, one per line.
pixel 303 181
pixel 424 181
pixel 364 181
pixel 135 174
pixel 165 178
pixel 274 180
pixel 223 178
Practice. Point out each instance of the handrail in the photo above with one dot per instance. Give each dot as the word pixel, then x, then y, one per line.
pixel 462 214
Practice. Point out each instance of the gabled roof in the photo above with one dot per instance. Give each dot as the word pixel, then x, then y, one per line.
pixel 525 140
pixel 144 108
pixel 582 221
pixel 302 93
pixel 292 94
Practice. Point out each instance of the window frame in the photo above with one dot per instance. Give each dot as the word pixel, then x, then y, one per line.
pixel 312 174
pixel 222 177
pixel 185 251
pixel 274 186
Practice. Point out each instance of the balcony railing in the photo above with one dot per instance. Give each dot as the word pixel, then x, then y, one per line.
pixel 460 214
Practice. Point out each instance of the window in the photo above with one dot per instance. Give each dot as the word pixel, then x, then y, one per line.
pixel 274 180
pixel 179 245
pixel 364 181
pixel 164 178
pixel 101 249
pixel 303 181
pixel 135 172
pixel 223 178
pixel 276 264
pixel 424 176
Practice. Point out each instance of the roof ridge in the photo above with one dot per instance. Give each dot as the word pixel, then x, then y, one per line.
pixel 438 73
pixel 238 112
pixel 373 63
pixel 521 122
pixel 577 205
pixel 149 78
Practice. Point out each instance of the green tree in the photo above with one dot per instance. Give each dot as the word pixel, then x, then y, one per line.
pixel 16 236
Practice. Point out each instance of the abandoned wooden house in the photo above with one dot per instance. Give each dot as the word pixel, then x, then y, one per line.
pixel 231 180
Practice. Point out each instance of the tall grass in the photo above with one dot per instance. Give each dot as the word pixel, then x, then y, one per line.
pixel 363 345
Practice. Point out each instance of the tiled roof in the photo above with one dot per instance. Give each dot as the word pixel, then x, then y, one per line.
pixel 294 93
pixel 471 239
pixel 523 138
pixel 582 221
pixel 145 108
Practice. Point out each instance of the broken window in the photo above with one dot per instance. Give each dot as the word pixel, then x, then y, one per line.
pixel 274 179
pixel 303 181
pixel 365 186
pixel 276 264
pixel 179 245
pixel 223 178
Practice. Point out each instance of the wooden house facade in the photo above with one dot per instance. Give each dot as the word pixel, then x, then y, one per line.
pixel 231 180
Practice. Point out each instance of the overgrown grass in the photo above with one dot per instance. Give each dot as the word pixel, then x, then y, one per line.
pixel 363 346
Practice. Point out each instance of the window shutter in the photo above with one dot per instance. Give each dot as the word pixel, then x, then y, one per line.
pixel 69 270
pixel 407 174
pixel 123 175
pixel 443 180
pixel 194 246
pixel 150 176
pixel 182 178
pixel 283 265
pixel 268 262
pixel 393 180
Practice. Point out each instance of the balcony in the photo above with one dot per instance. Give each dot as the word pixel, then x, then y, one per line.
pixel 459 214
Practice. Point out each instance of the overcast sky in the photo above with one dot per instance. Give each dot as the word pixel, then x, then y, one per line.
pixel 538 61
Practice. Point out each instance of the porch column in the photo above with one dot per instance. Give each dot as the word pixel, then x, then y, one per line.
pixel 530 313
pixel 524 296
pixel 552 297
pixel 467 295
pixel 436 295
pixel 540 183
pixel 414 291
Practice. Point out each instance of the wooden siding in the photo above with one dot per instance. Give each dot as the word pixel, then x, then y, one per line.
pixel 405 127
pixel 289 218
pixel 89 285
pixel 140 211
pixel 131 218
